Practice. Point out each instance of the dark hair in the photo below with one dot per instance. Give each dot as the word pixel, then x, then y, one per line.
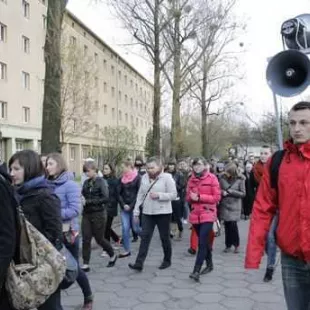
pixel 30 161
pixel 90 165
pixel 112 168
pixel 154 159
pixel 197 159
pixel 172 162
pixel 302 105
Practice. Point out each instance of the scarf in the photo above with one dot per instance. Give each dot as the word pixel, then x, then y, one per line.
pixel 128 177
pixel 258 171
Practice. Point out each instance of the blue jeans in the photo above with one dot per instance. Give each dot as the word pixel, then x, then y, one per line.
pixel 82 279
pixel 271 245
pixel 296 283
pixel 204 250
pixel 53 302
pixel 127 222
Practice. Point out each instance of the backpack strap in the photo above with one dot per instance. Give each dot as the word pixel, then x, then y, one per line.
pixel 276 161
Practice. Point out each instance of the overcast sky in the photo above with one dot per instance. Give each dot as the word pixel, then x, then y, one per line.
pixel 262 40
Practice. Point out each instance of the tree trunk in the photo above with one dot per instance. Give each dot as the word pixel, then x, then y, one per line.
pixel 204 114
pixel 176 143
pixel 51 118
pixel 157 85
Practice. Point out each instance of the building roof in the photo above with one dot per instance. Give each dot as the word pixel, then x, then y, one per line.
pixel 99 39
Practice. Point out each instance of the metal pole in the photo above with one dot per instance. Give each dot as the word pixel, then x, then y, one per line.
pixel 278 123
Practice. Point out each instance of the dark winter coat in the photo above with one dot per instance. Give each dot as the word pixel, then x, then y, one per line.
pixel 231 205
pixel 128 192
pixel 96 194
pixel 42 208
pixel 8 232
pixel 250 190
pixel 180 183
pixel 112 205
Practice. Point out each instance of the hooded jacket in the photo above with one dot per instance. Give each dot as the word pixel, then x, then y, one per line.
pixel 208 189
pixel 292 201
pixel 8 232
pixel 69 194
pixel 112 205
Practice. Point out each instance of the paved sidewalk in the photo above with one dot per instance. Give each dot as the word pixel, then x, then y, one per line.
pixel 229 286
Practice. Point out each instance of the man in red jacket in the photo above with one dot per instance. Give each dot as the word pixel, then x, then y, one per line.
pixel 291 199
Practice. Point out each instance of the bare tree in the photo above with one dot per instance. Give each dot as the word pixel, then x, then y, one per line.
pixel 51 117
pixel 216 67
pixel 78 101
pixel 146 21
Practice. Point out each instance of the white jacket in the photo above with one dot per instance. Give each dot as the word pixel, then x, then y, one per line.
pixel 165 187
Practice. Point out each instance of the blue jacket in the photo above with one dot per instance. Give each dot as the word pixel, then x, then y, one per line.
pixel 69 194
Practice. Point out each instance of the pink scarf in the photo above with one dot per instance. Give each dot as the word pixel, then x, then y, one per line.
pixel 128 177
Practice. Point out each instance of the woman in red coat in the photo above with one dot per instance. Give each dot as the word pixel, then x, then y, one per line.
pixel 203 193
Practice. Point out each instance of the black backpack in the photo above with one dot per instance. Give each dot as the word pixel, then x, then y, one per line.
pixel 276 161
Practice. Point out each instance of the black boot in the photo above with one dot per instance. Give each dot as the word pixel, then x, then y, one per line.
pixel 208 268
pixel 195 275
pixel 268 274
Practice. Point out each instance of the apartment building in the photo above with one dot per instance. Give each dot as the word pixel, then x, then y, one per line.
pixel 106 101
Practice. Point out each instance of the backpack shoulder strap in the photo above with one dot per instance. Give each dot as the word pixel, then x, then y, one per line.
pixel 276 161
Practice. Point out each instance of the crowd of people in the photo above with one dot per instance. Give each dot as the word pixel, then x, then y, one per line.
pixel 150 194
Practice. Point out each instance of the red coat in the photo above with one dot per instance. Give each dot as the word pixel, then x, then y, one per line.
pixel 293 232
pixel 208 189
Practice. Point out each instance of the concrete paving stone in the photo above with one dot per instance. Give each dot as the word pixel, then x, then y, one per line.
pixel 237 303
pixel 206 298
pixel 154 306
pixel 109 287
pixel 130 292
pixel 153 298
pixel 181 283
pixel 159 288
pixel 182 293
pixel 267 297
pixel 137 283
pixel 210 288
pixel 235 283
pixel 236 292
pixel 270 306
pixel 115 280
pixel 211 280
pixel 123 302
pixel 264 287
pixel 212 306
pixel 162 280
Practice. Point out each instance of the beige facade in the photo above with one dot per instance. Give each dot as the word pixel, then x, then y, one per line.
pixel 117 95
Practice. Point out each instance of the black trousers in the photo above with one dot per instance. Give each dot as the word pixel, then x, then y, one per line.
pixel 177 213
pixel 93 225
pixel 109 232
pixel 231 234
pixel 162 221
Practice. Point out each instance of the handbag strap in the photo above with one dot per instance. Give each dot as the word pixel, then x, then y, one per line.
pixel 149 189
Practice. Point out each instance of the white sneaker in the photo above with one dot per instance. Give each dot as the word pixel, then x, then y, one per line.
pixel 85 267
pixel 185 222
pixel 104 254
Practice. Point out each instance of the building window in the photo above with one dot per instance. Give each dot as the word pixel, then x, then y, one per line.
pixel 137 106
pixel 120 96
pixel 73 41
pixel 126 78
pixel 120 75
pixel 26 45
pixel 141 107
pixel 131 83
pixel 105 64
pixel 26 80
pixel 26 115
pixel 105 109
pixel 3 32
pixel 131 103
pixel 136 87
pixel 126 118
pixel 96 81
pixel 131 119
pixel 26 9
pixel 97 105
pixel 137 122
pixel 126 99
pixel 3 110
pixel 112 70
pixel 113 113
pixel 3 71
pixel 113 91
pixel 120 115
pixel 96 57
pixel 85 50
pixel 44 20
pixel 72 24
pixel 105 87
pixel 97 130
pixel 19 146
pixel 72 153
pixel 141 123
pixel 84 153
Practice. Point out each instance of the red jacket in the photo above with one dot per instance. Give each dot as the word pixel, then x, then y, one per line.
pixel 293 199
pixel 208 189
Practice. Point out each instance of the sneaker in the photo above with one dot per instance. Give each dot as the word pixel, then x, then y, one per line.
pixel 164 265
pixel 104 254
pixel 180 236
pixel 85 268
pixel 195 276
pixel 134 239
pixel 237 250
pixel 208 268
pixel 135 267
pixel 227 250
pixel 112 261
pixel 268 274
pixel 185 222
pixel 124 255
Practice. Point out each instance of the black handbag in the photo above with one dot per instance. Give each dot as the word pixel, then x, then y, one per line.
pixel 72 269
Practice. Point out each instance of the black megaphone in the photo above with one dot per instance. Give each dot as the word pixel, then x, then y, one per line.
pixel 288 73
